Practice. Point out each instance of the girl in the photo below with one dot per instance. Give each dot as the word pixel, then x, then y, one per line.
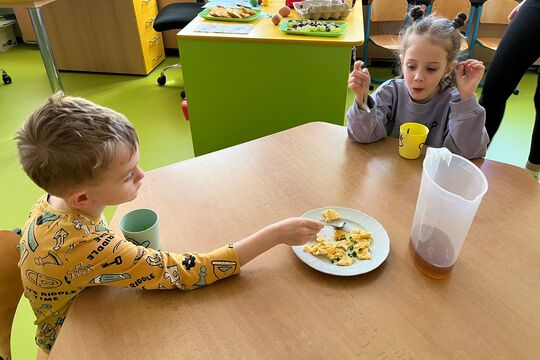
pixel 433 91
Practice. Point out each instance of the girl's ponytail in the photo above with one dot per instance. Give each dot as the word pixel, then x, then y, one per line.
pixel 459 20
pixel 416 13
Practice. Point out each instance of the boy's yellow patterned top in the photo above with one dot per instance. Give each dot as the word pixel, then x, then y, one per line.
pixel 63 252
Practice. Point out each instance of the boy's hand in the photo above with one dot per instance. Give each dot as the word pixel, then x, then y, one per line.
pixel 295 231
pixel 468 76
pixel 359 80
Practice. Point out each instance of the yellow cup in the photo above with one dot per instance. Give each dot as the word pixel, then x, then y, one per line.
pixel 412 137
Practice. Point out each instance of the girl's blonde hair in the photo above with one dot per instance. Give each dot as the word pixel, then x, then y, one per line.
pixel 441 31
pixel 69 141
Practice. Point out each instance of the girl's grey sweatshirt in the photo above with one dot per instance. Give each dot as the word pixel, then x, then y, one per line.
pixel 455 124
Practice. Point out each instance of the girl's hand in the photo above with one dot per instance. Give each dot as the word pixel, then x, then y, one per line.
pixel 514 12
pixel 359 81
pixel 468 76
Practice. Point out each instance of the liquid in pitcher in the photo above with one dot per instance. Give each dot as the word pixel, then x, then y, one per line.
pixel 434 253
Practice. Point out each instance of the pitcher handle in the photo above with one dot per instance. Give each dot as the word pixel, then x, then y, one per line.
pixel 437 154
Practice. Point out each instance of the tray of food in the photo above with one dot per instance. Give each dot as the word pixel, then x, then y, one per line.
pixel 322 9
pixel 221 13
pixel 313 27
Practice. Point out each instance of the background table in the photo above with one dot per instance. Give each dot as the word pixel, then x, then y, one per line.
pixel 34 9
pixel 241 87
pixel 278 307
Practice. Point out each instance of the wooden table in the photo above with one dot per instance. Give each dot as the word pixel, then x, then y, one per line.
pixel 279 308
pixel 242 87
pixel 34 9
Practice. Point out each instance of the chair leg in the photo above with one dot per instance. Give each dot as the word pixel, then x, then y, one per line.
pixel 162 79
pixel 5 77
pixel 174 66
pixel 395 72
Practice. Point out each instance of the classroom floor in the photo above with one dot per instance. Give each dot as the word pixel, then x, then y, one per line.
pixel 164 134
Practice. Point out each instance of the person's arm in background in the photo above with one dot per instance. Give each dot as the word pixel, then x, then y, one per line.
pixel 362 126
pixel 514 11
pixel 467 135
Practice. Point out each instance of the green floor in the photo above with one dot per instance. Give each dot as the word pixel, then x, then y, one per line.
pixel 164 134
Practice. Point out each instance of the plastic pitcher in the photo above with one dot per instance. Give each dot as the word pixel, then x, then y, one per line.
pixel 450 193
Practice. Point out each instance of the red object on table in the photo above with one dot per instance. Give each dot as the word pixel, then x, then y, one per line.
pixel 289 3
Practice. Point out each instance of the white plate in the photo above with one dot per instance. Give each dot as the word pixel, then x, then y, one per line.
pixel 380 247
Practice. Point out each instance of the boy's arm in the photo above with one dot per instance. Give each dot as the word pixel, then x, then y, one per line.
pixel 467 135
pixel 111 260
pixel 293 231
pixel 367 127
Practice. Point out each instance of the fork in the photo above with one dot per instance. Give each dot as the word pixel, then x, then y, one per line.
pixel 337 226
pixel 366 95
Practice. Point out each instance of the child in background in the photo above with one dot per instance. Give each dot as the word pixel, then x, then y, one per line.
pixel 433 91
pixel 86 157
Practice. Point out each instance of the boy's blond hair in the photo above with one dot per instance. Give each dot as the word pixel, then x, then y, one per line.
pixel 69 141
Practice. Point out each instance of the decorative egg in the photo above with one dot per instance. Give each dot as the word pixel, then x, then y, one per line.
pixel 276 19
pixel 284 11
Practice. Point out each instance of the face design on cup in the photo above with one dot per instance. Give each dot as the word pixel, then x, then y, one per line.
pixel 400 142
pixel 411 140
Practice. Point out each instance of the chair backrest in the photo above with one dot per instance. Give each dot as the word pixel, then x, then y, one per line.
pixel 497 11
pixel 388 10
pixel 450 8
pixel 10 288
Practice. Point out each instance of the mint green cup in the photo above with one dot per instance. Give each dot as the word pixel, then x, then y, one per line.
pixel 141 227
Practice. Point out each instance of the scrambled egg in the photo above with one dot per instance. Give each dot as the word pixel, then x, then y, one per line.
pixel 345 248
pixel 331 215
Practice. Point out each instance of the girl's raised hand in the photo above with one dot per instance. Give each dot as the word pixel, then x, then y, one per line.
pixel 468 76
pixel 359 81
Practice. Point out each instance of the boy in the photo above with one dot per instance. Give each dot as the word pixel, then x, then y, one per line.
pixel 86 157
